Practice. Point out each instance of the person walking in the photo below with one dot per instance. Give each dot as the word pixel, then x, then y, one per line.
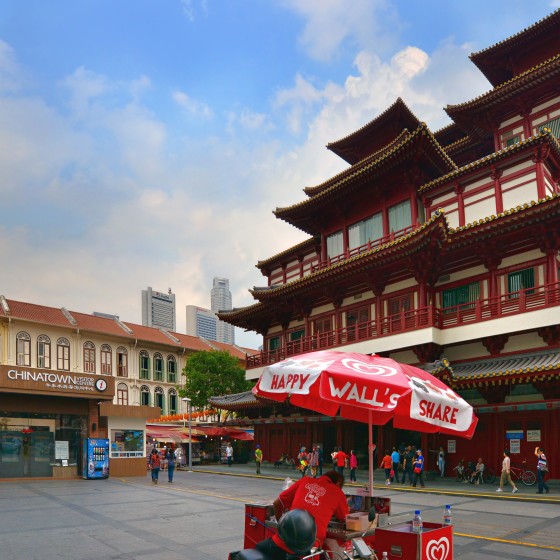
pixel 340 459
pixel 395 458
pixel 320 451
pixel 171 459
pixel 314 461
pixel 258 458
pixel 418 469
pixel 542 469
pixel 303 461
pixel 506 475
pixel 353 466
pixel 229 454
pixel 155 464
pixel 386 463
pixel 408 460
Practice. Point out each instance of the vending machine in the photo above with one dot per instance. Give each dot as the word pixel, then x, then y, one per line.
pixel 95 458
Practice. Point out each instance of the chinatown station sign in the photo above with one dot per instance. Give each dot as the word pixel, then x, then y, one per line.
pixel 20 379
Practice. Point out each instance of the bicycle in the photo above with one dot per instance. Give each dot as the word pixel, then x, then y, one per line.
pixel 527 476
pixel 488 474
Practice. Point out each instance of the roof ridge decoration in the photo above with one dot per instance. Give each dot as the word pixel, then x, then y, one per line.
pixel 421 130
pixel 124 327
pixel 4 305
pixel 169 335
pixel 545 134
pixel 308 241
pixel 69 316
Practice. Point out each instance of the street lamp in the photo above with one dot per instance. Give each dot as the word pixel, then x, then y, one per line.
pixel 188 401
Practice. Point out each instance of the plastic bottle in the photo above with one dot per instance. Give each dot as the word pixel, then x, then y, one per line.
pixel 447 517
pixel 417 522
pixel 384 557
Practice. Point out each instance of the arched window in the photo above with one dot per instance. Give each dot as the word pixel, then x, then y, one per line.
pixel 122 362
pixel 106 360
pixel 23 349
pixel 158 396
pixel 172 400
pixel 144 365
pixel 89 357
pixel 171 369
pixel 63 354
pixel 43 351
pixel 122 394
pixel 145 395
pixel 158 367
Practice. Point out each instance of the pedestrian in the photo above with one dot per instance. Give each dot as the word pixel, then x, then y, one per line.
pixel 506 475
pixel 542 469
pixel 314 461
pixel 333 455
pixel 171 459
pixel 303 460
pixel 477 475
pixel 258 458
pixel 386 463
pixel 408 460
pixel 418 469
pixel 155 463
pixel 340 460
pixel 353 466
pixel 395 458
pixel 229 454
pixel 320 450
pixel 440 455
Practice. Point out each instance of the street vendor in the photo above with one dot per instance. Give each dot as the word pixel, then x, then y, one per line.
pixel 322 497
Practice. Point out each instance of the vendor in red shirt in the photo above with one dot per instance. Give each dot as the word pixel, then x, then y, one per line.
pixel 322 497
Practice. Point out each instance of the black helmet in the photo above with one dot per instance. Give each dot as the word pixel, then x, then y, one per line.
pixel 298 530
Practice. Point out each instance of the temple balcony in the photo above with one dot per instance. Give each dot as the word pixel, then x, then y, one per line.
pixel 472 321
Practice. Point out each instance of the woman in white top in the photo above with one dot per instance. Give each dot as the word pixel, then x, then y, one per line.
pixel 506 463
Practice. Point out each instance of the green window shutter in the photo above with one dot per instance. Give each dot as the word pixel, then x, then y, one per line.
pixel 553 125
pixel 464 296
pixel 521 280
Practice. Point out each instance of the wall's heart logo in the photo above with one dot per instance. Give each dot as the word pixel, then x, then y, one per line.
pixel 437 550
pixel 371 369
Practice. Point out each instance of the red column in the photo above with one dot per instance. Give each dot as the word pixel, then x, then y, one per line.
pixel 414 210
pixel 496 174
pixel 460 203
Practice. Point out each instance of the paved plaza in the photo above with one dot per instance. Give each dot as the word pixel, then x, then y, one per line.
pixel 202 516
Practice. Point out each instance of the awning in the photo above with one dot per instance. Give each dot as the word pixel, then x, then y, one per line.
pixel 224 431
pixel 164 434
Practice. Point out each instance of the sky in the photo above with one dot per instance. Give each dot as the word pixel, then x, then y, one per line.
pixel 147 142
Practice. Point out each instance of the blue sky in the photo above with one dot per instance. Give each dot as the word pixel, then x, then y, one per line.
pixel 146 143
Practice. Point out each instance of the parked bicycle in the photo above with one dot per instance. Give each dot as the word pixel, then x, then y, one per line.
pixel 488 474
pixel 527 476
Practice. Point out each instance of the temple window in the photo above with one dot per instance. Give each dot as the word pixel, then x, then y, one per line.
pixel 273 343
pixel 43 351
pixel 553 126
pixel 23 349
pixel 461 297
pixel 106 360
pixel 521 280
pixel 400 303
pixel 323 325
pixel 334 245
pixel 400 216
pixel 89 357
pixel 367 230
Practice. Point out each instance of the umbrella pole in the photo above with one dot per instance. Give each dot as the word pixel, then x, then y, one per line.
pixel 370 453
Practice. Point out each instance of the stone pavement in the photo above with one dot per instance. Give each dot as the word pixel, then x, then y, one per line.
pixel 434 483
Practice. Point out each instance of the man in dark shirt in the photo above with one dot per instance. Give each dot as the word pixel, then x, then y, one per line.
pixel 407 464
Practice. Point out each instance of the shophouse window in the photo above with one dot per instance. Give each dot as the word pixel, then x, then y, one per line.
pixel 43 351
pixel 521 280
pixel 145 395
pixel 122 361
pixel 122 394
pixel 89 357
pixel 172 401
pixel 158 367
pixel 171 369
pixel 367 230
pixel 63 354
pixel 274 343
pixel 400 216
pixel 400 303
pixel 158 395
pixel 23 349
pixel 334 245
pixel 144 365
pixel 106 360
pixel 462 297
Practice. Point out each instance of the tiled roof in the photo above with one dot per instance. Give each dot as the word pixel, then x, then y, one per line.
pixel 239 400
pixel 86 323
pixel 308 243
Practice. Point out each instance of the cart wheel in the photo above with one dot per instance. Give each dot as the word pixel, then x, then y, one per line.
pixel 489 476
pixel 529 478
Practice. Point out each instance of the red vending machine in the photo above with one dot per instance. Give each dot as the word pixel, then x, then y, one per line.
pixel 401 543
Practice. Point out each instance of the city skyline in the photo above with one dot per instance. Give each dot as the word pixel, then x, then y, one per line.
pixel 149 147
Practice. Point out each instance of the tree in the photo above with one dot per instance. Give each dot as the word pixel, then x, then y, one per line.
pixel 212 373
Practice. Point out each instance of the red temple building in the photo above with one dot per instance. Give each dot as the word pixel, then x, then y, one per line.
pixel 438 249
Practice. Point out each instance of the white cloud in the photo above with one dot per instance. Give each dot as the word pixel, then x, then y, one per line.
pixel 190 105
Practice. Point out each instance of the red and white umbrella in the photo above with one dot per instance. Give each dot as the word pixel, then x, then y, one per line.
pixel 369 389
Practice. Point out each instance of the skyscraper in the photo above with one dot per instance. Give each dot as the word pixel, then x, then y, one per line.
pixel 220 300
pixel 158 309
pixel 202 322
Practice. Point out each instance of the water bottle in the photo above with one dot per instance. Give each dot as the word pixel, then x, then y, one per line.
pixel 417 522
pixel 384 557
pixel 447 518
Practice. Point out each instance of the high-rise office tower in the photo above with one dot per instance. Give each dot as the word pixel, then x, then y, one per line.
pixel 202 322
pixel 158 309
pixel 220 300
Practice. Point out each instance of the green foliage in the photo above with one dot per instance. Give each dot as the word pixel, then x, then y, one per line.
pixel 210 374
